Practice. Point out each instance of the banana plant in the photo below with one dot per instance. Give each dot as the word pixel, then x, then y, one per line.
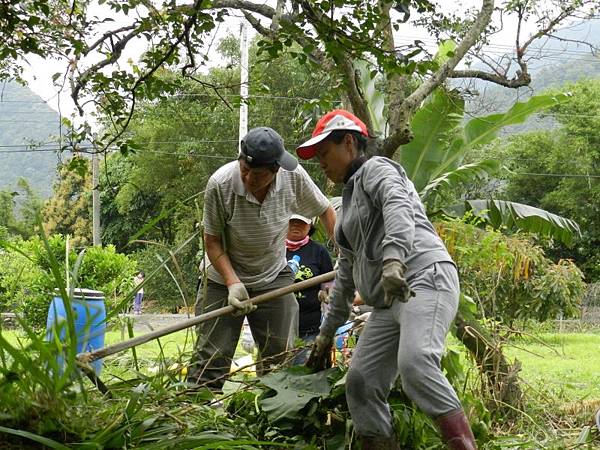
pixel 434 159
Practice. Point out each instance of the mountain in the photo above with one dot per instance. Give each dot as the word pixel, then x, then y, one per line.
pixel 27 122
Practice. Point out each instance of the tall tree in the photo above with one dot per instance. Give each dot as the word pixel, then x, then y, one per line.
pixel 8 219
pixel 69 210
pixel 19 210
pixel 335 35
pixel 559 170
pixel 181 140
pixel 29 208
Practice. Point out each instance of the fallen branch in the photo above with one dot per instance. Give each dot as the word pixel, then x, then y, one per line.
pixel 88 357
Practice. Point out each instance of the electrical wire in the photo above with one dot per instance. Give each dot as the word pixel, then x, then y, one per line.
pixel 231 158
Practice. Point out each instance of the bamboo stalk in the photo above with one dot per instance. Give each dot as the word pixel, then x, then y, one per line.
pixel 88 357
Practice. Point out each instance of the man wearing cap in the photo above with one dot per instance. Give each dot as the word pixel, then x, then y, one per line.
pixel 247 206
pixel 389 252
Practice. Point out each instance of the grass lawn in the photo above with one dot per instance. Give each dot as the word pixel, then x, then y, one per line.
pixel 561 370
pixel 565 364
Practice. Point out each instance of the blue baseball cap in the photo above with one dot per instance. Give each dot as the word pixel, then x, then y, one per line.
pixel 263 146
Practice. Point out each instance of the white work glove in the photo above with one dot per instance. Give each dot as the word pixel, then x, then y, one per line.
pixel 359 322
pixel 394 284
pixel 320 354
pixel 236 298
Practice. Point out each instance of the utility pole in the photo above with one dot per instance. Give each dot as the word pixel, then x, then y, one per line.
pixel 243 79
pixel 96 240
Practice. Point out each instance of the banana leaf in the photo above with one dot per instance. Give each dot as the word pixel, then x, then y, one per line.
pixel 517 216
pixel 434 126
pixel 482 130
pixel 464 174
pixel 368 80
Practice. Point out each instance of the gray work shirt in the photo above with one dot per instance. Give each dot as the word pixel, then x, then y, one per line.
pixel 253 233
pixel 382 218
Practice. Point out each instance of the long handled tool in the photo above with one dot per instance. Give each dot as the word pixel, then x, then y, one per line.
pixel 88 357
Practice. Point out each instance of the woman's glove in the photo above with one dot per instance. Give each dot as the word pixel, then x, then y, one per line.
pixel 320 355
pixel 236 298
pixel 359 322
pixel 394 284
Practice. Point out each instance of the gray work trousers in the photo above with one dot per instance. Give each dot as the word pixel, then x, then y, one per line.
pixel 407 340
pixel 274 327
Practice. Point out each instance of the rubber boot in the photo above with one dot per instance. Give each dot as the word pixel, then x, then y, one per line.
pixel 456 431
pixel 379 443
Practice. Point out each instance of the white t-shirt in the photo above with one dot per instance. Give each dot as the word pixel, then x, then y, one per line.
pixel 253 234
pixel 137 281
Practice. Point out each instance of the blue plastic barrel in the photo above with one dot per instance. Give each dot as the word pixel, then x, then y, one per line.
pixel 90 321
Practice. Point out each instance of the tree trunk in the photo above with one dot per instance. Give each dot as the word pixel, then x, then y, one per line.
pixel 500 377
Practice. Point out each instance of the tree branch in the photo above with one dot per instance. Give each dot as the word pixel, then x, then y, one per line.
pixel 395 83
pixel 106 36
pixel 114 56
pixel 344 62
pixel 402 135
pixel 187 26
pixel 316 55
pixel 522 78
pixel 263 9
pixel 277 15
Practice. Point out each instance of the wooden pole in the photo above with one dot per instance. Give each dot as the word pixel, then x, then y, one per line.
pixel 88 357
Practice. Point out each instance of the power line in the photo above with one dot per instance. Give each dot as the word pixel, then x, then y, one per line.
pixel 558 175
pixel 193 122
pixel 231 158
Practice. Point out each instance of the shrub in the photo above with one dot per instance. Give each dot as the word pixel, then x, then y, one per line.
pixel 27 285
pixel 108 271
pixel 164 292
pixel 510 276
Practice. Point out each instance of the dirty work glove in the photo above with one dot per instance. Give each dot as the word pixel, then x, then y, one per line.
pixel 320 354
pixel 394 284
pixel 237 295
pixel 323 296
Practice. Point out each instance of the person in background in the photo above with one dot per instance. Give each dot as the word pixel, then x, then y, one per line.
pixel 139 295
pixel 314 261
pixel 247 205
pixel 390 253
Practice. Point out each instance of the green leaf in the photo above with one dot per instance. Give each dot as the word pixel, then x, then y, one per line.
pixel 79 166
pixel 369 78
pixel 293 392
pixel 462 175
pixel 467 305
pixel 482 130
pixel 433 127
pixel 445 51
pixel 34 437
pixel 516 216
pixel 439 143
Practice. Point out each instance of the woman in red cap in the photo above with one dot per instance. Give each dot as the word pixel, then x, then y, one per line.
pixel 391 254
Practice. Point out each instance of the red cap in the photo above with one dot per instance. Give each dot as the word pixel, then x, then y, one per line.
pixel 338 119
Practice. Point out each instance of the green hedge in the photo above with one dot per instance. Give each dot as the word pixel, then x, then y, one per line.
pixel 168 290
pixel 27 285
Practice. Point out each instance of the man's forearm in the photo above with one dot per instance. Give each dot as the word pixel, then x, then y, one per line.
pixel 220 259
